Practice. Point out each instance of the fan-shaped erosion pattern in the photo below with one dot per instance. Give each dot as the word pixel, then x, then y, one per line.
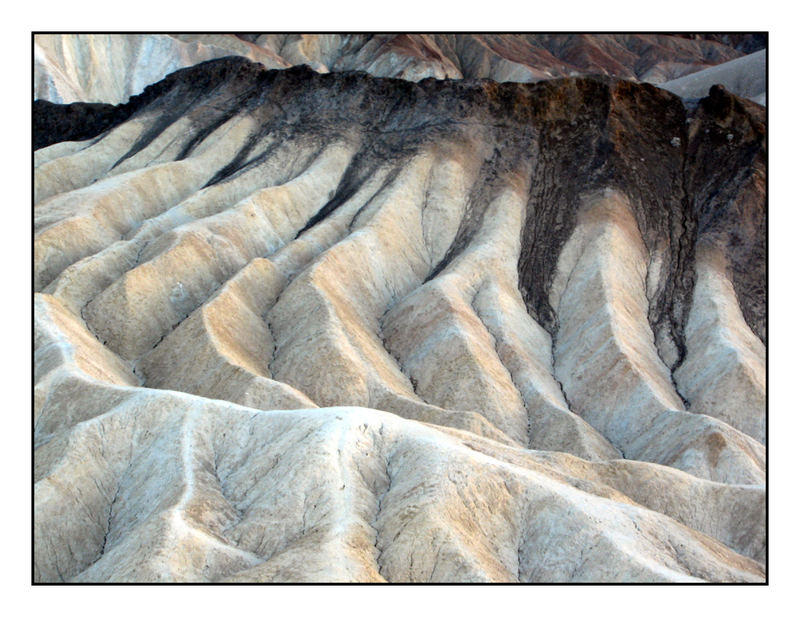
pixel 294 326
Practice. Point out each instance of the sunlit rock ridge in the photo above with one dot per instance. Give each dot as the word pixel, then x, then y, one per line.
pixel 298 326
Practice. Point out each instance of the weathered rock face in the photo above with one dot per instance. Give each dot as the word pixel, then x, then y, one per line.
pixel 111 68
pixel 53 123
pixel 532 317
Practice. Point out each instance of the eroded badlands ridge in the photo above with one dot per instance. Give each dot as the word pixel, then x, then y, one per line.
pixel 563 281
pixel 109 68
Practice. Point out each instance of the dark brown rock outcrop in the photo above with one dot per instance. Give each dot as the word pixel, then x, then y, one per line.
pixel 691 173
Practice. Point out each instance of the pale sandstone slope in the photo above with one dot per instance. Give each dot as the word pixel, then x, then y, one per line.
pixel 110 68
pixel 746 76
pixel 504 392
pixel 162 486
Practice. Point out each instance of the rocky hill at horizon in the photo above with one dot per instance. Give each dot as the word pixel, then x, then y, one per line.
pixel 102 68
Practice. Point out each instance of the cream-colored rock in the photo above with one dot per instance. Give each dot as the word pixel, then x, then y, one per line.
pixel 607 361
pixel 320 367
pixel 219 492
pixel 463 353
pixel 85 166
pixel 724 373
pixel 78 284
pixel 200 256
pixel 347 290
pixel 110 68
pixel 71 368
